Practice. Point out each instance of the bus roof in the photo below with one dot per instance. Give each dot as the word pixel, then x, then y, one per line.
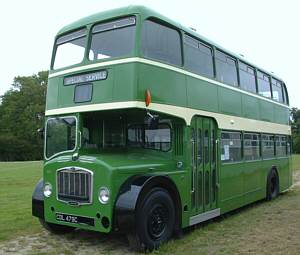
pixel 147 12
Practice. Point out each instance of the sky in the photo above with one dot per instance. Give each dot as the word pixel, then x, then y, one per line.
pixel 266 32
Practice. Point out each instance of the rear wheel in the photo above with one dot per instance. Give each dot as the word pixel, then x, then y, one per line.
pixel 155 221
pixel 272 185
pixel 55 228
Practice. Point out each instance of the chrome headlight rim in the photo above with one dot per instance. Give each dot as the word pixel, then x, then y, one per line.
pixel 105 192
pixel 47 189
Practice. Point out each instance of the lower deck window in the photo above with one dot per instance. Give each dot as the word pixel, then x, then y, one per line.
pixel 281 146
pixel 231 147
pixel 268 149
pixel 157 139
pixel 107 131
pixel 251 146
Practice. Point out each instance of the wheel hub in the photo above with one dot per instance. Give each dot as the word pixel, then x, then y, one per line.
pixel 157 220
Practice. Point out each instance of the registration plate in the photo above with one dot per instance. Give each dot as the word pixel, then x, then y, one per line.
pixel 75 219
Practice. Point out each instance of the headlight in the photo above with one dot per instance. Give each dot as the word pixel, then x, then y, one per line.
pixel 47 190
pixel 103 195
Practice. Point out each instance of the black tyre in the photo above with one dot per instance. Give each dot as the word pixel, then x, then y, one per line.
pixel 55 228
pixel 155 221
pixel 272 185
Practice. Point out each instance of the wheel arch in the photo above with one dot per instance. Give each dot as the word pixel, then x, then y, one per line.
pixel 275 169
pixel 38 200
pixel 132 193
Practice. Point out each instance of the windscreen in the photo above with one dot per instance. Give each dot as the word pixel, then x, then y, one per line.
pixel 70 49
pixel 60 135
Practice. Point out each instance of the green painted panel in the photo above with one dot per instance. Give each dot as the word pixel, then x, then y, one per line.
pixel 103 90
pixel 52 93
pixel 266 111
pixel 282 114
pixel 283 171
pixel 230 101
pixel 197 95
pixel 168 87
pixel 254 184
pixel 231 186
pixel 250 106
pixel 125 82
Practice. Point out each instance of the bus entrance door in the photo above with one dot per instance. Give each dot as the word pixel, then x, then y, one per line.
pixel 204 167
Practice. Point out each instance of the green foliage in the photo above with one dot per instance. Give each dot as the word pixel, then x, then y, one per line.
pixel 295 113
pixel 21 114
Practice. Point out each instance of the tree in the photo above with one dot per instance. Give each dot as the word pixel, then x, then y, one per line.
pixel 21 114
pixel 295 113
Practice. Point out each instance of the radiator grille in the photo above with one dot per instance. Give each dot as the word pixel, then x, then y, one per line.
pixel 74 185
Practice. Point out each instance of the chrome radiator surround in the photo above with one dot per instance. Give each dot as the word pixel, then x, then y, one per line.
pixel 74 185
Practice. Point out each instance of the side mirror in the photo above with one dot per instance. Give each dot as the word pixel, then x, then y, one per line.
pixel 152 121
pixel 41 132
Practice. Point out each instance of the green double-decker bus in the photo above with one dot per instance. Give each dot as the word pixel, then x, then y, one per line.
pixel 151 128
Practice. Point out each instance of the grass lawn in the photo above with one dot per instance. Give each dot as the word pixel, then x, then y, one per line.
pixel 260 228
pixel 296 162
pixel 17 181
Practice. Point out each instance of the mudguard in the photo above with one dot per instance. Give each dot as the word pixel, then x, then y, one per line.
pixel 132 191
pixel 38 200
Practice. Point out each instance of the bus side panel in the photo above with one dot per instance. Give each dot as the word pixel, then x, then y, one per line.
pixel 283 168
pixel 230 102
pixel 231 195
pixel 282 114
pixel 266 111
pixel 250 107
pixel 166 87
pixel 202 95
pixel 254 181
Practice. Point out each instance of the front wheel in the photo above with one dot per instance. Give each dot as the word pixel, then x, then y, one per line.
pixel 272 185
pixel 155 220
pixel 55 228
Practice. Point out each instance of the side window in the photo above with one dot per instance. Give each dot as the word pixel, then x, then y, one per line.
pixel 251 146
pixel 285 96
pixel 247 77
pixel 277 90
pixel 142 136
pixel 135 136
pixel 267 142
pixel 264 88
pixel 226 68
pixel 231 147
pixel 281 146
pixel 198 57
pixel 161 43
pixel 158 139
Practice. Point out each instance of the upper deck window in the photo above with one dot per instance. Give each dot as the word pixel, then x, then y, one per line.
pixel 247 77
pixel 264 88
pixel 113 39
pixel 70 49
pixel 226 68
pixel 285 95
pixel 277 90
pixel 198 57
pixel 161 43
